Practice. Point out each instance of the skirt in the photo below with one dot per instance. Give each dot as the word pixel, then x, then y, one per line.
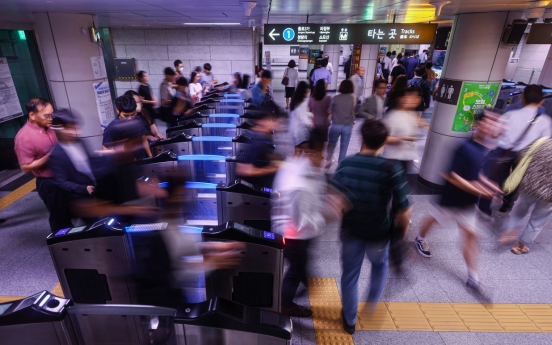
pixel 290 91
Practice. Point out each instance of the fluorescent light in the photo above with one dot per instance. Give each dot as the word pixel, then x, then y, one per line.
pixel 211 23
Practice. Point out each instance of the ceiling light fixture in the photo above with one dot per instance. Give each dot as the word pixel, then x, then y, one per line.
pixel 211 23
pixel 439 6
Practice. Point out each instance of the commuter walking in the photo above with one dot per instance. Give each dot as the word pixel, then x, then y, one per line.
pixel 385 65
pixel 319 105
pixel 425 88
pixel 33 145
pixel 395 61
pixel 399 84
pixel 329 66
pixel 296 214
pixel 208 79
pixel 195 88
pixel 152 131
pixel 179 70
pixel 370 183
pixel 523 126
pixel 342 110
pixel 410 64
pixel 261 96
pixel 320 72
pixel 292 77
pixel 358 83
pixel 166 94
pixel 423 56
pixel 431 76
pixel 372 108
pixel 300 119
pixel 347 67
pixel 397 71
pixel 144 90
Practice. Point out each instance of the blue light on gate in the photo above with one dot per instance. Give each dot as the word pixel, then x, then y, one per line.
pixel 289 34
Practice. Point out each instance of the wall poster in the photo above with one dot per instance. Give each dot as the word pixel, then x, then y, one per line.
pixel 10 108
pixel 104 103
pixel 474 98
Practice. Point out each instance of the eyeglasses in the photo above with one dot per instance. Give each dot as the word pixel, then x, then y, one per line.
pixel 49 116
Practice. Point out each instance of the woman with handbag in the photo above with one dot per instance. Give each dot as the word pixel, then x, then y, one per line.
pixel 300 119
pixel 290 80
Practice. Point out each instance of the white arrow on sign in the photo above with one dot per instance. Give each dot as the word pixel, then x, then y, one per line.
pixel 272 34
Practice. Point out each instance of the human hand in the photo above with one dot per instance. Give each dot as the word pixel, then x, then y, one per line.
pixel 90 189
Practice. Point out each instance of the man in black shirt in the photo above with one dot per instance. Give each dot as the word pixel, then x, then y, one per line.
pixel 464 185
pixel 397 71
pixel 144 90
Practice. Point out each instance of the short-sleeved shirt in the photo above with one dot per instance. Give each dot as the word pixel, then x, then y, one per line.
pixel 145 92
pixel 401 123
pixel 120 130
pixel 257 152
pixel 320 111
pixel 371 184
pixel 206 78
pixel 466 163
pixel 397 71
pixel 166 92
pixel 321 73
pixel 343 109
pixel 33 142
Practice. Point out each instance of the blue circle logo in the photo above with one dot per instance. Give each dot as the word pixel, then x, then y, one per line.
pixel 289 34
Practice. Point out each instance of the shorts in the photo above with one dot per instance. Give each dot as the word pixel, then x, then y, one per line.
pixel 290 91
pixel 463 217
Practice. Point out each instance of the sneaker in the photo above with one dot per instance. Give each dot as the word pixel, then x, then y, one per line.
pixel 479 290
pixel 346 327
pixel 297 310
pixel 423 248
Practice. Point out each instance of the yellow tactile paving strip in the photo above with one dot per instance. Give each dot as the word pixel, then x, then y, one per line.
pixel 17 194
pixel 432 317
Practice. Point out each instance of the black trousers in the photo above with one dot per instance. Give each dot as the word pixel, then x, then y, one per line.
pixel 57 205
pixel 296 252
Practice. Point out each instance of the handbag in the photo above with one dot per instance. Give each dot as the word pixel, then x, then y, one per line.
pixel 285 79
pixel 513 181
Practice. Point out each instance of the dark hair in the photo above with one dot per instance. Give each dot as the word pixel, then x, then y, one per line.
pixel 292 63
pixel 207 66
pixel 169 71
pixel 532 94
pixel 374 134
pixel 125 104
pixel 319 91
pixel 346 87
pixel 192 77
pixel 394 52
pixel 399 56
pixel 420 71
pixel 245 81
pixel 324 63
pixel 400 62
pixel 266 74
pixel 318 62
pixel 140 75
pixel 379 81
pixel 299 94
pixel 406 90
pixel 63 117
pixel 388 54
pixel 132 93
pixel 182 81
pixel 197 69
pixel 176 63
pixel 429 64
pixel 33 104
pixel 237 75
pixel 399 83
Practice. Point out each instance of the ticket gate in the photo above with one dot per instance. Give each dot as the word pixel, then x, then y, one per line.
pixel 106 263
pixel 231 105
pixel 180 144
pixel 241 142
pixel 204 168
pixel 194 128
pixel 244 203
pixel 36 320
pixel 197 117
pixel 219 321
pixel 547 104
pixel 504 95
pixel 231 170
pixel 161 166
pixel 257 280
pixel 191 128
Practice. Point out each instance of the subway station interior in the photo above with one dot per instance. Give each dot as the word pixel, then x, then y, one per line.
pixel 268 172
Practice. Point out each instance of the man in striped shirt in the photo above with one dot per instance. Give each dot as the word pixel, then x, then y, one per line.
pixel 371 184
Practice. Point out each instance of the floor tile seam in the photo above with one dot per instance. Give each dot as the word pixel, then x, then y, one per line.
pixel 530 318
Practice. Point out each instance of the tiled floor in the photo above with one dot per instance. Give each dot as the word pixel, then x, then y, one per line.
pixel 26 267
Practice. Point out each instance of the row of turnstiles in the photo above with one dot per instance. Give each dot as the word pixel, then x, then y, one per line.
pixel 511 93
pixel 117 277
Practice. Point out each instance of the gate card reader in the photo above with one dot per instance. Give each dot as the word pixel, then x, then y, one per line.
pixel 234 231
pixel 36 320
pixel 220 321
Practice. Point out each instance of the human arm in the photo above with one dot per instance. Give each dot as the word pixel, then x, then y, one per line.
pixel 146 145
pixel 472 187
pixel 248 169
pixel 61 178
pixel 305 214
pixel 155 131
pixel 35 164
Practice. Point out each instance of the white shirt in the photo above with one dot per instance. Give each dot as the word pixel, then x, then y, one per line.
pixel 329 67
pixel 386 62
pixel 166 91
pixel 401 123
pixel 393 63
pixel 293 76
pixel 196 89
pixel 78 156
pixel 517 122
pixel 423 57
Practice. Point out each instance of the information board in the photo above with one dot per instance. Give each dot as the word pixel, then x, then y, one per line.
pixel 474 98
pixel 104 103
pixel 10 107
pixel 384 33
pixel 540 34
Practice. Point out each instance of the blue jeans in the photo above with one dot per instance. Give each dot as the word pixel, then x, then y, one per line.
pixel 335 132
pixel 352 256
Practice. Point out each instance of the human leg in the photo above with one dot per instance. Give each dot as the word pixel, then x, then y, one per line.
pixel 378 254
pixel 296 252
pixel 540 215
pixel 333 136
pixel 513 224
pixel 352 255
pixel 421 244
pixel 346 132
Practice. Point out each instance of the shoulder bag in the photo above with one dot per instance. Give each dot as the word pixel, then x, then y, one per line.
pixel 285 79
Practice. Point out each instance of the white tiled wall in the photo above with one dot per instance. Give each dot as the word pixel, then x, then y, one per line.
pixel 228 51
pixel 531 62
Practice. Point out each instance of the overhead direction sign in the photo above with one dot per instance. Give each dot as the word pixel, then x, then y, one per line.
pixel 384 33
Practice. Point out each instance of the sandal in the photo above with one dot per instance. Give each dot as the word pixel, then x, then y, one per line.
pixel 520 248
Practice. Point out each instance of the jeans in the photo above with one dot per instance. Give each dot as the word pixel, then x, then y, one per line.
pixel 538 217
pixel 352 255
pixel 296 252
pixel 335 132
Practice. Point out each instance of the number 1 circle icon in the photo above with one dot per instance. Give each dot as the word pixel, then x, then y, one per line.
pixel 289 34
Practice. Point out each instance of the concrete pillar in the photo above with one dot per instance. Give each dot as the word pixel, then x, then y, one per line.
pixel 368 60
pixel 66 53
pixel 333 52
pixel 471 32
pixel 546 74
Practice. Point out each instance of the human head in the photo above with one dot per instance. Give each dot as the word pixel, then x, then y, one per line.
pixel 400 62
pixel 399 56
pixel 266 77
pixel 401 82
pixel 40 112
pixel 428 65
pixel 182 84
pixel 361 71
pixel 292 63
pixel 388 54
pixel 260 73
pixel 207 68
pixel 346 87
pixel 198 69
pixel 142 77
pixel 245 81
pixel 394 52
pixel 409 98
pixel 532 95
pixel 169 73
pixel 65 125
pixel 237 79
pixel 319 91
pixel 126 107
pixel 318 63
pixel 327 57
pixel 425 51
pixel 321 53
pixel 137 99
pixel 374 134
pixel 299 95
pixel 194 78
pixel 419 72
pixel 178 65
pixel 380 86
pixel 265 121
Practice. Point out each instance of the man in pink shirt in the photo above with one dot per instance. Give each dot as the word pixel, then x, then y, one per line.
pixel 33 144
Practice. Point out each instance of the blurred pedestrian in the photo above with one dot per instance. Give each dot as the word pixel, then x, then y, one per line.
pixel 319 105
pixel 370 183
pixel 342 110
pixel 372 108
pixel 292 78
pixel 148 97
pixel 399 84
pixel 300 119
pixel 152 133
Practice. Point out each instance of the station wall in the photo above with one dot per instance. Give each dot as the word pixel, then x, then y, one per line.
pixel 227 50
